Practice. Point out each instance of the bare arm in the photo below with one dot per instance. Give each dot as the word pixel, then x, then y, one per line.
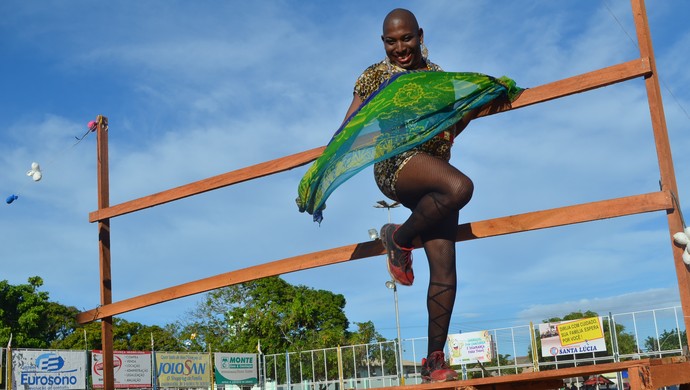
pixel 356 102
pixel 488 109
pixel 460 125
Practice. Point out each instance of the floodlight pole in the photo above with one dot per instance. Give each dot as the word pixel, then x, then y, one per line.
pixel 391 285
pixel 382 204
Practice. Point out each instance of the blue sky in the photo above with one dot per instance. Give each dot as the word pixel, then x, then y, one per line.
pixel 196 89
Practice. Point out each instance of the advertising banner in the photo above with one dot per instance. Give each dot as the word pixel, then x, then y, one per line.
pixel 235 368
pixel 131 369
pixel 183 369
pixel 571 337
pixel 470 347
pixel 48 370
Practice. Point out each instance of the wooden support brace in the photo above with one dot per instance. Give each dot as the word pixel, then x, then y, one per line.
pixel 212 183
pixel 639 378
pixel 645 374
pixel 664 375
pixel 660 373
pixel 104 252
pixel 656 201
pixel 585 82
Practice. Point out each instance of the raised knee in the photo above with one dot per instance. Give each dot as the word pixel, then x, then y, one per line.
pixel 463 193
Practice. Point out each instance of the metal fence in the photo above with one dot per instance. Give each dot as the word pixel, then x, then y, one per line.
pixel 656 333
pixel 651 333
pixel 352 367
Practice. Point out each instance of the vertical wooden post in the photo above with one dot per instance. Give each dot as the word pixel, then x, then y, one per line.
pixel 104 252
pixel 663 150
pixel 639 378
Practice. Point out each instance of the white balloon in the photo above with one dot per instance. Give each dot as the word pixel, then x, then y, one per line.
pixel 35 172
pixel 681 238
pixel 686 256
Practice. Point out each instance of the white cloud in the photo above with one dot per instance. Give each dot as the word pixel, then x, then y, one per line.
pixel 658 298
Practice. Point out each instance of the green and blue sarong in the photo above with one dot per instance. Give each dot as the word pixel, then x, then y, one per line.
pixel 406 111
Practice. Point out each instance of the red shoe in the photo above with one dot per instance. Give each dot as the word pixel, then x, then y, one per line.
pixel 435 369
pixel 399 259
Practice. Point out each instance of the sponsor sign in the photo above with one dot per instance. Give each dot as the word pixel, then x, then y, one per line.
pixel 48 370
pixel 470 347
pixel 131 369
pixel 235 368
pixel 579 331
pixel 183 369
pixel 571 337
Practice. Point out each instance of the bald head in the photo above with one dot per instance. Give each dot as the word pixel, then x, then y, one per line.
pixel 400 15
pixel 402 39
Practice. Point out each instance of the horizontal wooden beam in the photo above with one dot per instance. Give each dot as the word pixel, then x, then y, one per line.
pixel 212 183
pixel 584 82
pixel 655 373
pixel 569 86
pixel 612 208
pixel 655 201
pixel 669 375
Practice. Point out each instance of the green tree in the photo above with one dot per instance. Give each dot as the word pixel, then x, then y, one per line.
pixel 82 337
pixel 127 336
pixel 31 319
pixel 365 334
pixel 283 317
pixel 668 340
pixel 62 320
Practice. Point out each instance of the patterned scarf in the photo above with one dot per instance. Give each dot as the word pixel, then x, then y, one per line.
pixel 403 113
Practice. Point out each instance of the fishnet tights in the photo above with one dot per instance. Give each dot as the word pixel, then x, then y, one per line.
pixel 435 191
pixel 439 302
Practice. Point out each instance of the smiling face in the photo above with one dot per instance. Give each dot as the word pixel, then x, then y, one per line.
pixel 402 39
